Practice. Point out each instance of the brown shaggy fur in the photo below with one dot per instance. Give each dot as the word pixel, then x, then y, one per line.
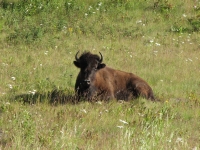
pixel 95 79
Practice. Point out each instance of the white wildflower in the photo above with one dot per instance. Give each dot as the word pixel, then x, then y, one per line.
pixel 120 127
pixel 4 64
pixel 179 140
pixel 184 15
pixel 157 44
pixel 13 78
pixel 10 86
pixel 32 92
pixel 140 114
pixel 100 4
pixel 7 103
pixel 124 122
pixel 83 110
pixel 46 52
pixel 99 102
pixel 90 7
pixel 139 21
pixel 151 41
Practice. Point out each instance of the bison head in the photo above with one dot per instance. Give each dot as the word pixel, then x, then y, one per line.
pixel 88 64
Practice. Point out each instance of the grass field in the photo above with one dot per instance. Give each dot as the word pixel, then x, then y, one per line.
pixel 157 40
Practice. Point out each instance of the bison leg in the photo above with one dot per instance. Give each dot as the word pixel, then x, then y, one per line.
pixel 81 94
pixel 100 94
pixel 92 93
pixel 109 96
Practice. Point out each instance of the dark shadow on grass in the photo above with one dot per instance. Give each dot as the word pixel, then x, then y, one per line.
pixel 53 97
pixel 57 96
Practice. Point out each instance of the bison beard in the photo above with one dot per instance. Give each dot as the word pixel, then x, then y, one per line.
pixel 97 81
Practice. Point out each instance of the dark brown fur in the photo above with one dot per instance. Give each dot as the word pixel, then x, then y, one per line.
pixel 95 79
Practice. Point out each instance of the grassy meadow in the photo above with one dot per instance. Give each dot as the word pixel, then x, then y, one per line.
pixel 159 40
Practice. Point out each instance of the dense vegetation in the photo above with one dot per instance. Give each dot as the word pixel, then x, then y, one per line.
pixel 157 40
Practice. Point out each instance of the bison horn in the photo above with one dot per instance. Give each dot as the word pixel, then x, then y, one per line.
pixel 76 56
pixel 101 59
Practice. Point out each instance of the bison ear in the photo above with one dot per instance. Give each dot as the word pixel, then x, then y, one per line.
pixel 100 66
pixel 77 64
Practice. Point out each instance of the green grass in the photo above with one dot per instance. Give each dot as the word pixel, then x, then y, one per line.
pixel 157 40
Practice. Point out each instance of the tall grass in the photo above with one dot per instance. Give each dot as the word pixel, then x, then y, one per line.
pixel 157 40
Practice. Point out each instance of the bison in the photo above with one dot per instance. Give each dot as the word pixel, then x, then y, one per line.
pixel 97 81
